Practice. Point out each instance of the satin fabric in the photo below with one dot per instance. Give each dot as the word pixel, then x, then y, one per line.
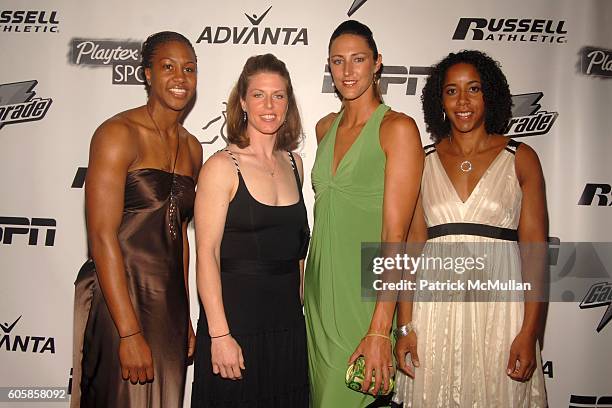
pixel 153 262
pixel 463 346
pixel 348 211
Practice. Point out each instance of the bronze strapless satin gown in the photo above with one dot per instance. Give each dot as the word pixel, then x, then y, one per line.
pixel 156 204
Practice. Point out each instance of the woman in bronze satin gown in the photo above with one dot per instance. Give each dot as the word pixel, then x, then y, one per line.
pixel 132 330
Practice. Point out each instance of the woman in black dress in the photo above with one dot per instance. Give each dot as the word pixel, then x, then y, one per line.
pixel 132 328
pixel 252 231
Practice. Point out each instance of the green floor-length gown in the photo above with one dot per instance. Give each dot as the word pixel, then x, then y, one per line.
pixel 348 211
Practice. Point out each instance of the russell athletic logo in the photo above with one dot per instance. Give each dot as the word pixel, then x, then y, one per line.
pixel 511 30
pixel 29 21
pixel 396 75
pixel 122 56
pixel 18 103
pixel 255 33
pixel 599 195
pixel 527 117
pixel 24 343
pixel 30 227
pixel 596 62
pixel 600 294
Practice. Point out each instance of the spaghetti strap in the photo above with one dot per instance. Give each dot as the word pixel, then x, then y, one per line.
pixel 234 159
pixel 295 172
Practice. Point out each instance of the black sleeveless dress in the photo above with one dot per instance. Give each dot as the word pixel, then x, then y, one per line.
pixel 260 278
pixel 156 204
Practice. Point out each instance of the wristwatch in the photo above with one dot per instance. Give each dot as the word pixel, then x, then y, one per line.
pixel 403 331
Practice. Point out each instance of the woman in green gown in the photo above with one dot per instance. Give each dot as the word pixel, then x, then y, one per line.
pixel 366 178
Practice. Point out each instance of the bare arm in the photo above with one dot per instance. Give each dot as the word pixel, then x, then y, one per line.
pixel 300 167
pixel 217 184
pixel 532 231
pixel 195 150
pixel 400 140
pixel 111 154
pixel 417 235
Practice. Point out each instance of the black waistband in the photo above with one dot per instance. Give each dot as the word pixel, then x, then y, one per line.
pixel 259 267
pixel 465 228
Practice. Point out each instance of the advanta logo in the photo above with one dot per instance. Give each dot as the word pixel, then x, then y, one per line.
pixel 24 344
pixel 17 103
pixel 590 401
pixel 11 226
pixel 29 21
pixel 391 74
pixel 596 62
pixel 603 192
pixel 511 30
pixel 600 294
pixel 122 56
pixel 527 118
pixel 254 34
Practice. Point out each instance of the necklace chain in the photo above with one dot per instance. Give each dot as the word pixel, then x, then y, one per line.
pixel 466 165
pixel 167 153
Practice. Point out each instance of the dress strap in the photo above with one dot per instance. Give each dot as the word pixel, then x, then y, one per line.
pixel 512 146
pixel 429 149
pixel 295 171
pixel 234 159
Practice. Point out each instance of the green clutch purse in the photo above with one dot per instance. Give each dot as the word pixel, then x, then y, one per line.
pixel 355 376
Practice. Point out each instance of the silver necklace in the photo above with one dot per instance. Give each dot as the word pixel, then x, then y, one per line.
pixel 466 165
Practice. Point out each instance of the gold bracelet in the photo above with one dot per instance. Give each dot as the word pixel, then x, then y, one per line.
pixel 378 335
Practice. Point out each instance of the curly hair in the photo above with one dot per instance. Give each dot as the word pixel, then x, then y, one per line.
pixel 495 89
pixel 149 47
pixel 290 133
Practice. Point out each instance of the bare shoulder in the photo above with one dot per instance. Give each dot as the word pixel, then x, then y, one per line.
pixel 195 147
pixel 395 121
pixel 527 162
pixel 115 137
pixel 217 168
pixel 324 124
pixel 397 129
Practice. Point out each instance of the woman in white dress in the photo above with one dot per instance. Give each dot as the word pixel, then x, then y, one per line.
pixel 485 192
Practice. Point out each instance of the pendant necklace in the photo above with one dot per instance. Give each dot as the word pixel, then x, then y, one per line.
pixel 172 222
pixel 273 170
pixel 466 165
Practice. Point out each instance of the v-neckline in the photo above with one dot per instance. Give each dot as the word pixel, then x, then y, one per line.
pixel 331 166
pixel 480 180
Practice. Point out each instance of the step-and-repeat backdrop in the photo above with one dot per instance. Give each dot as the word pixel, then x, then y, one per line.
pixel 67 66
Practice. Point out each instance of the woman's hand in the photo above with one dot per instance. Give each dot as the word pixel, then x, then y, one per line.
pixel 376 351
pixel 227 357
pixel 135 359
pixel 403 346
pixel 522 361
pixel 191 341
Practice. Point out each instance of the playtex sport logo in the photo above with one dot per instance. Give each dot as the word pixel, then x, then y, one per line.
pixel 596 62
pixel 122 56
pixel 514 30
pixel 255 33
pixel 18 103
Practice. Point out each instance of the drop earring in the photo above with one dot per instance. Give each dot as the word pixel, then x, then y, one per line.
pixel 244 116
